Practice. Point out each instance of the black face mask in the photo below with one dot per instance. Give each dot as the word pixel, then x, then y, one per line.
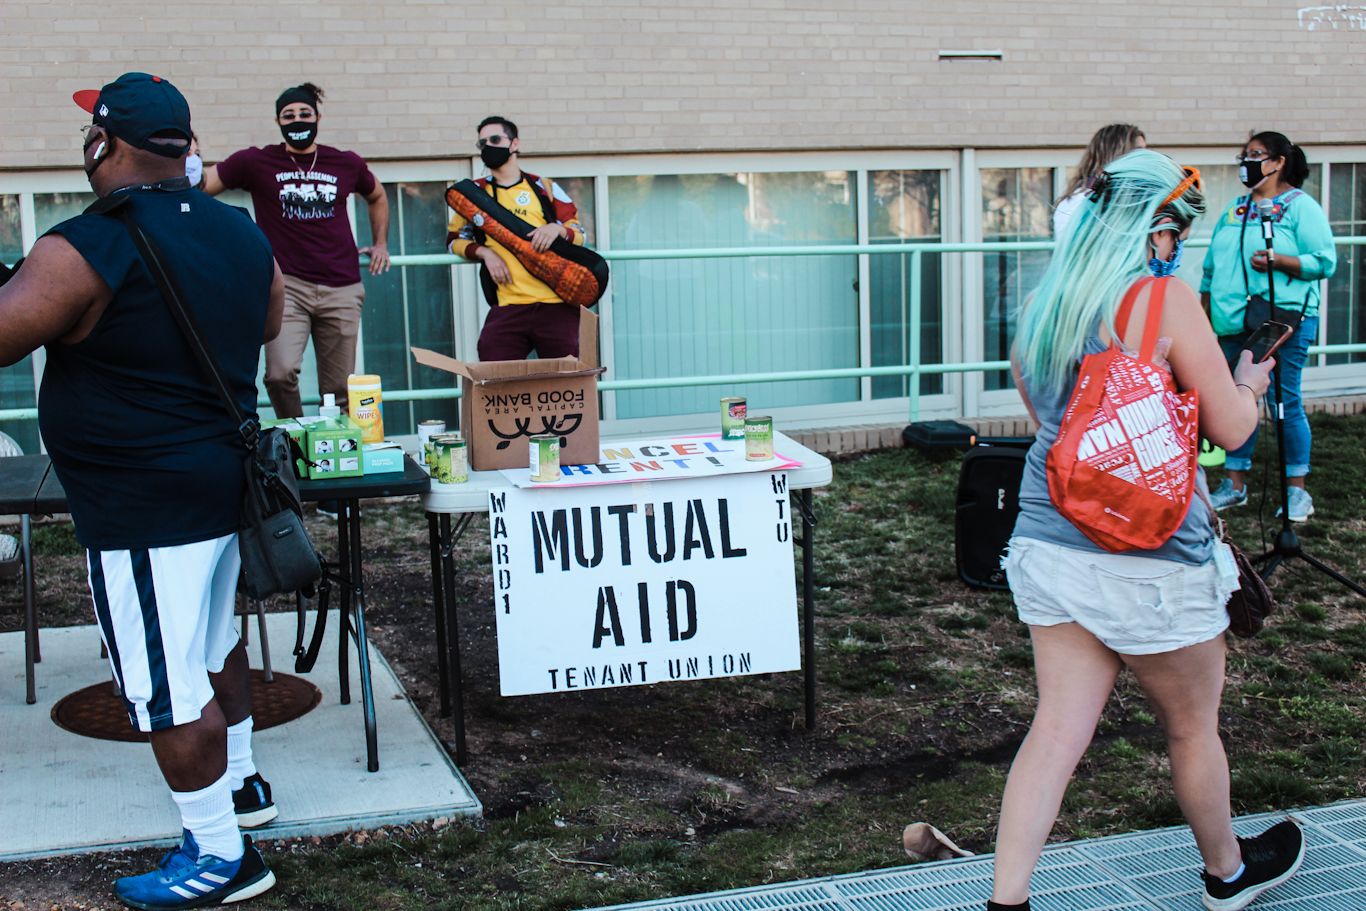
pixel 1250 173
pixel 495 156
pixel 300 134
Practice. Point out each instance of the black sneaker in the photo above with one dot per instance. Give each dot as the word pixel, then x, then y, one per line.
pixel 252 803
pixel 1271 858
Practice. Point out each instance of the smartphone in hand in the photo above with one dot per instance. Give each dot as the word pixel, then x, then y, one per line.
pixel 1266 339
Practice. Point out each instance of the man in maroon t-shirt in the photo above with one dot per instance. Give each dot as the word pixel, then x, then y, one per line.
pixel 299 190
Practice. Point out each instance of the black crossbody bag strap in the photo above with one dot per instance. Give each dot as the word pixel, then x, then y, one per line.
pixel 1247 287
pixel 247 428
pixel 1242 233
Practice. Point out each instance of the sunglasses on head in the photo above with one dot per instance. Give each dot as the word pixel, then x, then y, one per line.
pixel 1192 180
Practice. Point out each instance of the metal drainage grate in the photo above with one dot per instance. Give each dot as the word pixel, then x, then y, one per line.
pixel 1145 871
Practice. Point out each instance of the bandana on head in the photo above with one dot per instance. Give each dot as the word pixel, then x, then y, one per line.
pixel 296 95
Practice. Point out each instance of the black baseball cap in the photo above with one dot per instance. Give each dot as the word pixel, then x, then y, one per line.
pixel 136 107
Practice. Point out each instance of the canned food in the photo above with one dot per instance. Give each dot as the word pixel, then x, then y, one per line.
pixel 733 411
pixel 545 459
pixel 425 431
pixel 759 438
pixel 448 454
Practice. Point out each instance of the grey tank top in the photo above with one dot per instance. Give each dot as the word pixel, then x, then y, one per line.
pixel 1193 542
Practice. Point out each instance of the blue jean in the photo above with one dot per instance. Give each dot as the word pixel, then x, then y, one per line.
pixel 1291 359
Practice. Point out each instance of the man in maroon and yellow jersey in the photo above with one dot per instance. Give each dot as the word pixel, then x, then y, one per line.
pixel 526 314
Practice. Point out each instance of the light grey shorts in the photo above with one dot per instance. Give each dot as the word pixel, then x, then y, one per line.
pixel 1134 605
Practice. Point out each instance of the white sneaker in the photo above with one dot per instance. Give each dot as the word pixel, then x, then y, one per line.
pixel 1301 505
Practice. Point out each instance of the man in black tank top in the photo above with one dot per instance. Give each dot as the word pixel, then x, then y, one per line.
pixel 152 465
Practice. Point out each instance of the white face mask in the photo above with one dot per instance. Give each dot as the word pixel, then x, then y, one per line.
pixel 194 169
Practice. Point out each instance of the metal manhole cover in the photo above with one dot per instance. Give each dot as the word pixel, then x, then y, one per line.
pixel 98 711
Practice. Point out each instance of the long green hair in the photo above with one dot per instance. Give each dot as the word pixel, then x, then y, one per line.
pixel 1103 252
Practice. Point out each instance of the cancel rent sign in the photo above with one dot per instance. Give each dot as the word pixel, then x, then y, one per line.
pixel 622 585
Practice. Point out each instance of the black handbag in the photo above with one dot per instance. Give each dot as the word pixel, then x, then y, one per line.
pixel 277 555
pixel 1259 309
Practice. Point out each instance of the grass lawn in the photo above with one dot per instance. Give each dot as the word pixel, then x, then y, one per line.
pixel 926 686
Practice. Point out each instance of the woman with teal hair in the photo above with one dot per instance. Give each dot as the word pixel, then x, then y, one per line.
pixel 1160 613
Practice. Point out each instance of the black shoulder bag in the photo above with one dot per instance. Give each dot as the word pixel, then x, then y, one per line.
pixel 1258 308
pixel 277 555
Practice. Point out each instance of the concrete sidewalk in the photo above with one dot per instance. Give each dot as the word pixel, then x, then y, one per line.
pixel 74 793
pixel 1144 871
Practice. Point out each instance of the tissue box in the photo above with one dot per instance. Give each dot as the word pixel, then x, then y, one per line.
pixel 378 458
pixel 333 448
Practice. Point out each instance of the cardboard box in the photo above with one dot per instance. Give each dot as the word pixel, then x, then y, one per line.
pixel 505 403
pixel 333 448
pixel 381 458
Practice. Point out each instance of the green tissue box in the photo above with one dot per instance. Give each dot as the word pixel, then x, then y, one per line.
pixel 333 448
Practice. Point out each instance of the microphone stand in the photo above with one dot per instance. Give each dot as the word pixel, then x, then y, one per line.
pixel 1286 545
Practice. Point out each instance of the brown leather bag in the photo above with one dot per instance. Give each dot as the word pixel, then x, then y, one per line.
pixel 1253 602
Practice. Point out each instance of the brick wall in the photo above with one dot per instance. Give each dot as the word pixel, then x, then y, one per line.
pixel 409 79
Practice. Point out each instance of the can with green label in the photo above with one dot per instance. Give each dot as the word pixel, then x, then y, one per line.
pixel 450 465
pixel 545 459
pixel 733 410
pixel 425 431
pixel 759 438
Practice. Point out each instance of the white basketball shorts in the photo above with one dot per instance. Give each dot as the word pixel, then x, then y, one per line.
pixel 165 614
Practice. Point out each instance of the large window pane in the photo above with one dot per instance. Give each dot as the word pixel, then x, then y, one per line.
pixel 51 209
pixel 411 305
pixel 16 381
pixel 584 193
pixel 693 317
pixel 1017 205
pixel 1345 308
pixel 904 207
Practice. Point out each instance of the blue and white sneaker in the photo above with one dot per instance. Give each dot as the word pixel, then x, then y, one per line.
pixel 1301 505
pixel 1224 496
pixel 187 879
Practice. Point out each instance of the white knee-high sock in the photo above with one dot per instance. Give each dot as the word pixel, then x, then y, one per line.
pixel 241 766
pixel 209 817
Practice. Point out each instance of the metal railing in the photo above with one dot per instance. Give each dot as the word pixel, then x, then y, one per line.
pixel 913 369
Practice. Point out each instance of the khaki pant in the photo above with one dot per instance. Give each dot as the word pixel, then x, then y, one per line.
pixel 332 317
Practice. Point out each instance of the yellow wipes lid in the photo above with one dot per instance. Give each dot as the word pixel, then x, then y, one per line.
pixel 363 379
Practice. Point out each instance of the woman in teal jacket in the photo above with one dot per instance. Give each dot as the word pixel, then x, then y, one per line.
pixel 1236 271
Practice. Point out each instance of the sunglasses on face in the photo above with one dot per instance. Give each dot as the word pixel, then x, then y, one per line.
pixel 496 140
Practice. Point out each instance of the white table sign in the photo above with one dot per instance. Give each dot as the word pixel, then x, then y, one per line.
pixel 665 458
pixel 624 585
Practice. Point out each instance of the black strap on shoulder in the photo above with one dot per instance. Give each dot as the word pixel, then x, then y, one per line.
pixel 547 206
pixel 116 205
pixel 1242 233
pixel 1270 276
